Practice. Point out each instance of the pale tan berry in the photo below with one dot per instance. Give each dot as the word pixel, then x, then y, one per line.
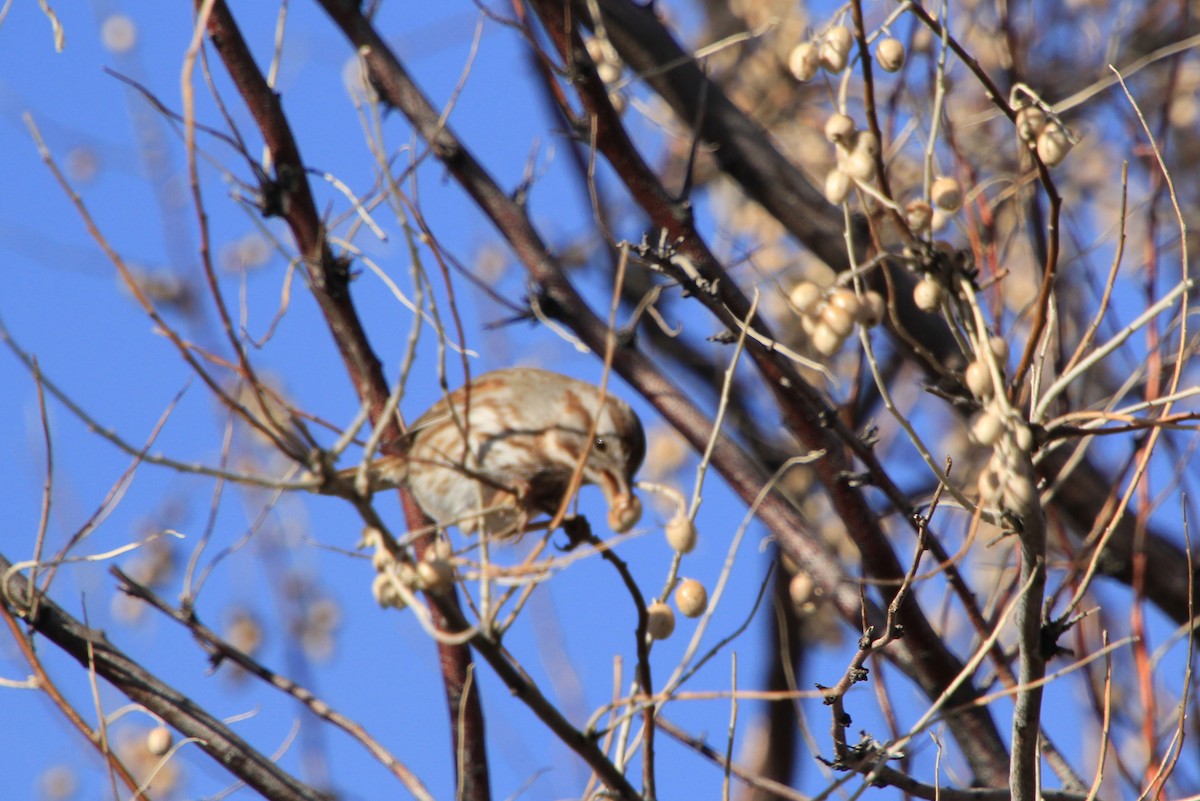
pixel 825 340
pixel 834 52
pixel 837 186
pixel 832 59
pixel 118 33
pixel 625 512
pixel 858 164
pixel 681 533
pixel 839 128
pixel 890 54
pixel 946 194
pixel 845 299
pixel 866 142
pixel 987 429
pixel 806 296
pixel 608 72
pixel 809 322
pixel 999 348
pixel 1053 144
pixel 1023 437
pixel 803 591
pixel 940 218
pixel 1030 122
pixel 381 559
pixel 660 621
pixel 595 49
pixel 873 308
pixel 840 36
pixel 990 486
pixel 804 61
pixel 158 741
pixel 928 294
pixel 918 214
pixel 691 598
pixel 979 380
pixel 244 632
pixel 1019 494
pixel 838 320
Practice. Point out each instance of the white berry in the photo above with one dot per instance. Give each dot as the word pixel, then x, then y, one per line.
pixel 434 572
pixel 802 590
pixel 990 486
pixel 1019 494
pixel 834 52
pixel 999 348
pixel 867 142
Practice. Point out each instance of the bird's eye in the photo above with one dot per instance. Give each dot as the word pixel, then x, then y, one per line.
pixel 600 445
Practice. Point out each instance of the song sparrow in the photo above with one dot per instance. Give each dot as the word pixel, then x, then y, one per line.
pixel 501 450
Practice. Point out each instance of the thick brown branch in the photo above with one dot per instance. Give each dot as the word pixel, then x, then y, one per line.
pixel 219 650
pixel 91 648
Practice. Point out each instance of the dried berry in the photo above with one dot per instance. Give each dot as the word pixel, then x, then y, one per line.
pixel 806 296
pixel 928 294
pixel 946 194
pixel 660 621
pixel 1053 144
pixel 837 186
pixel 890 54
pixel 804 61
pixel 691 598
pixel 839 128
pixel 681 533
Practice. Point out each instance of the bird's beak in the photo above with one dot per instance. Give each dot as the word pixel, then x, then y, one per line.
pixel 624 508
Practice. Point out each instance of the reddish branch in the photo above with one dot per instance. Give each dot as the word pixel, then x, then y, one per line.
pixel 290 196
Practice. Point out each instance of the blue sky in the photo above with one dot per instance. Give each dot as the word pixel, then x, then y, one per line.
pixel 62 302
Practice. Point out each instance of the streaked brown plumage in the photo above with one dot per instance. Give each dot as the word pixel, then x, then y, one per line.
pixel 527 429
